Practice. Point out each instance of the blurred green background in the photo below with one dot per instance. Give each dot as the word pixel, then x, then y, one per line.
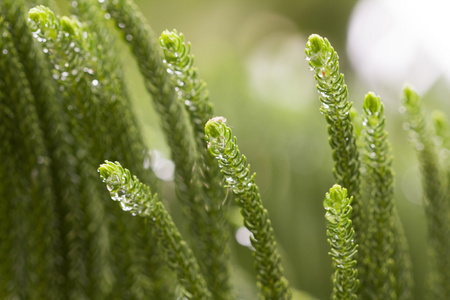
pixel 251 54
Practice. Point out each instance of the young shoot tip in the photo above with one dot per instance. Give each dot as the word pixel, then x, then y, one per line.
pixel 214 127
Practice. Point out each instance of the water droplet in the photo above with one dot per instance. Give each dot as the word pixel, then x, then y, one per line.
pixel 124 206
pixel 129 37
pixel 419 147
pixel 107 16
pixel 74 4
pixel 402 109
pixel 5 51
pixel 121 25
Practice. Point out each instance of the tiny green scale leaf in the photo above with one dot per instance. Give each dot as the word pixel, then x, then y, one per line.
pixel 410 97
pixel 213 128
pixel 68 25
pixel 317 49
pixel 372 104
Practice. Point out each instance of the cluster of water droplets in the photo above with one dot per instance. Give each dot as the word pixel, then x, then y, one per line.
pixel 132 196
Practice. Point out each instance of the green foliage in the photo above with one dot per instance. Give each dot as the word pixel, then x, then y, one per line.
pixel 390 274
pixel 136 198
pixel 383 260
pixel 323 61
pixel 269 272
pixel 340 234
pixel 65 109
pixel 435 181
pixel 192 92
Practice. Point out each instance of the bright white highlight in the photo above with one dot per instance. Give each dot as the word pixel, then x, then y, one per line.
pixel 393 42
pixel 243 237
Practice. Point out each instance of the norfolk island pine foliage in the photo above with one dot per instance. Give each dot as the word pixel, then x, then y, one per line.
pixel 65 108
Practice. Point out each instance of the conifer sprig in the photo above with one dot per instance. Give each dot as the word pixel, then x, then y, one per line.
pixel 192 92
pixel 151 278
pixel 390 273
pixel 136 198
pixel 175 124
pixel 30 244
pixel 271 282
pixel 323 61
pixel 174 118
pixel 434 186
pixel 52 121
pixel 340 234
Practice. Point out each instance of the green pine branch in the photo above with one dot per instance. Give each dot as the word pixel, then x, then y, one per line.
pixel 269 272
pixel 127 147
pixel 390 274
pixel 323 61
pixel 136 198
pixel 331 86
pixel 191 91
pixel 340 234
pixel 174 118
pixel 71 270
pixel 30 244
pixel 436 201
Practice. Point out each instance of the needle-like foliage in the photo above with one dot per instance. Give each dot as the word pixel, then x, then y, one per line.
pixel 29 253
pixel 136 198
pixel 65 109
pixel 340 234
pixel 390 274
pixel 191 91
pixel 175 123
pixel 221 144
pixel 436 200
pixel 323 61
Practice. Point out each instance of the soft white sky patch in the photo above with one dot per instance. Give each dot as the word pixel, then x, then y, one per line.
pixel 393 42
